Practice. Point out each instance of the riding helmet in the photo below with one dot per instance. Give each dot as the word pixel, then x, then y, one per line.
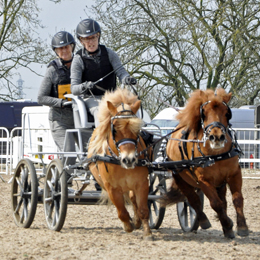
pixel 61 39
pixel 87 28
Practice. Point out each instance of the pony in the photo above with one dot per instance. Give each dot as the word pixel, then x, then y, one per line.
pixel 118 139
pixel 204 131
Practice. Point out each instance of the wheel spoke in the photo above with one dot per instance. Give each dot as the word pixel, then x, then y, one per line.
pixel 50 210
pixel 151 218
pixel 155 207
pixel 18 206
pixel 19 184
pixel 50 185
pixel 56 213
pixel 25 209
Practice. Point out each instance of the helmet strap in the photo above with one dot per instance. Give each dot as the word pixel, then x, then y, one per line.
pixel 66 61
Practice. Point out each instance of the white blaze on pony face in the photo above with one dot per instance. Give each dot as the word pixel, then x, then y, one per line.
pixel 126 131
pixel 217 140
pixel 128 160
pixel 217 124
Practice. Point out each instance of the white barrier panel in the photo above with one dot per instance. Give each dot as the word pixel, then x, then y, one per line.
pixel 4 150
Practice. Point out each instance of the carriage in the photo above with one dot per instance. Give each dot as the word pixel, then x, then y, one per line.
pixel 58 190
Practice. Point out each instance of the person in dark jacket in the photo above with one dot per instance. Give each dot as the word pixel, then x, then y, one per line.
pixel 93 62
pixel 55 84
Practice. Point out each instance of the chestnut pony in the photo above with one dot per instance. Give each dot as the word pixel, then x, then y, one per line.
pixel 117 137
pixel 206 119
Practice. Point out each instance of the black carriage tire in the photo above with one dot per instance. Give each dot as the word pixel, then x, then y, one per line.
pixel 156 211
pixel 24 193
pixel 187 216
pixel 55 195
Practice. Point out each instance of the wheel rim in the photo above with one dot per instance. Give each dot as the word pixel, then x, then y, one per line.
pixel 187 216
pixel 52 197
pixel 24 194
pixel 55 195
pixel 156 212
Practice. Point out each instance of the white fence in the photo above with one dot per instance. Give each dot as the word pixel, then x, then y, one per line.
pixel 25 143
pixel 22 143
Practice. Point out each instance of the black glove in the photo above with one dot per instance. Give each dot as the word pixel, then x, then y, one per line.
pixel 65 103
pixel 86 86
pixel 130 80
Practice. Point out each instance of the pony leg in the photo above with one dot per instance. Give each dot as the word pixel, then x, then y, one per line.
pixel 220 207
pixel 222 191
pixel 235 185
pixel 143 210
pixel 118 200
pixel 194 201
pixel 137 221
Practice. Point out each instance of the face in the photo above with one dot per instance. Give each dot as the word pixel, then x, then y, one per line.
pixel 64 52
pixel 91 42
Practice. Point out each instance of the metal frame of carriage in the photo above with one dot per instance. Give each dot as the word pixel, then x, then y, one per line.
pixel 56 195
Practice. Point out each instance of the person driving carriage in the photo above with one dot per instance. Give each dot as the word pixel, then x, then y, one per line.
pixel 93 62
pixel 55 83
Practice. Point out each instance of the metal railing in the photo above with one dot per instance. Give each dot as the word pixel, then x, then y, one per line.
pixel 12 146
pixel 4 150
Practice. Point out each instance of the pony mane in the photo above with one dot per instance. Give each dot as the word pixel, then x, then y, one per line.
pixel 119 96
pixel 190 116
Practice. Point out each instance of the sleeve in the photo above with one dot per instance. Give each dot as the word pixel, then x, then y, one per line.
pixel 44 93
pixel 116 63
pixel 77 68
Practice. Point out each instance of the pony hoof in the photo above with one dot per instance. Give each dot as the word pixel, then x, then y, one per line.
pixel 129 227
pixel 148 238
pixel 229 234
pixel 137 224
pixel 243 232
pixel 205 224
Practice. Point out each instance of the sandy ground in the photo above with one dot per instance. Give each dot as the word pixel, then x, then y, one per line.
pixel 95 232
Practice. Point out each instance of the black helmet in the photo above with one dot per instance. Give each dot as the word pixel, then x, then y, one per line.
pixel 61 39
pixel 87 28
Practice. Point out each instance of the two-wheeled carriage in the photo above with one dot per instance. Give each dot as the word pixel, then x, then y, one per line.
pixel 68 184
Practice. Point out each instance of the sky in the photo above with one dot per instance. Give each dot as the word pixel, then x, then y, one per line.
pixel 55 17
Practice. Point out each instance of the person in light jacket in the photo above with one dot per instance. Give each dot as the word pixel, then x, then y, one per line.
pixel 92 63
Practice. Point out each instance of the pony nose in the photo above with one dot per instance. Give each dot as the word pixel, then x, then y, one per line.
pixel 214 138
pixel 128 162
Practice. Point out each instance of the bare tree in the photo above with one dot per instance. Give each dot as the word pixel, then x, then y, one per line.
pixel 187 45
pixel 19 44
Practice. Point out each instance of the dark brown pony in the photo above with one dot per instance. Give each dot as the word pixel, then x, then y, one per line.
pixel 118 137
pixel 206 118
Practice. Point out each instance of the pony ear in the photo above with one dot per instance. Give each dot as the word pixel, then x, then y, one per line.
pixel 135 106
pixel 227 98
pixel 111 108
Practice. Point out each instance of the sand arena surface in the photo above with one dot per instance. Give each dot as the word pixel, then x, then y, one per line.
pixel 95 232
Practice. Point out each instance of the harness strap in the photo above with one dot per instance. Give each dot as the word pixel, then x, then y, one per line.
pixel 126 141
pixel 113 160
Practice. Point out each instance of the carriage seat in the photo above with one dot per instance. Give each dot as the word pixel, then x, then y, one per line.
pixel 81 113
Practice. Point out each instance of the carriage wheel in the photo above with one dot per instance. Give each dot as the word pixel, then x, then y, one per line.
pixel 55 196
pixel 156 212
pixel 187 216
pixel 24 193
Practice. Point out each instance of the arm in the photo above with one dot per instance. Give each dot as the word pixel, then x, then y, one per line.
pixel 44 93
pixel 77 68
pixel 116 63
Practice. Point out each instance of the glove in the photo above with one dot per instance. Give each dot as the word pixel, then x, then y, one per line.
pixel 130 80
pixel 86 86
pixel 65 103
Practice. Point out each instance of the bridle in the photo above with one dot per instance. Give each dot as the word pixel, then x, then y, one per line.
pixel 209 127
pixel 120 115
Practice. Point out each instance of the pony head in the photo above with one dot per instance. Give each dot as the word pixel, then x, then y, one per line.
pixel 119 127
pixel 208 110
